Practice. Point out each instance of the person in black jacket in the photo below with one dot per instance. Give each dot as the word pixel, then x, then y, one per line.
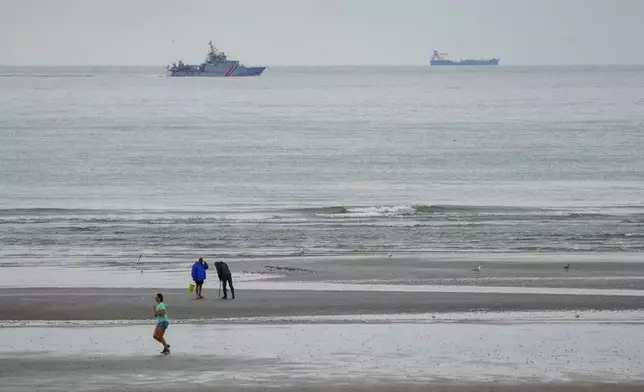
pixel 225 277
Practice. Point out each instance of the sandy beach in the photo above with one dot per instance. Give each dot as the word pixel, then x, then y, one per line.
pixel 455 353
pixel 371 323
pixel 314 324
pixel 80 339
pixel 134 304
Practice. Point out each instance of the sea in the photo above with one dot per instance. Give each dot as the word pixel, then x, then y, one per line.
pixel 99 165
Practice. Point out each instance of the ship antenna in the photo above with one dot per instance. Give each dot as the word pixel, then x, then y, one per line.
pixel 212 48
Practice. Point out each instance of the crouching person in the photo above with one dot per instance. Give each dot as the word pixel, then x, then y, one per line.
pixel 225 277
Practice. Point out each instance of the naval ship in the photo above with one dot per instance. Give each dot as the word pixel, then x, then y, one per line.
pixel 216 64
pixel 438 59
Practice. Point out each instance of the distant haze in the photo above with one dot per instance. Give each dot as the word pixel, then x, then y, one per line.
pixel 320 32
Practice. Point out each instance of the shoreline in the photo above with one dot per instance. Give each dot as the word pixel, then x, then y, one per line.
pixel 605 274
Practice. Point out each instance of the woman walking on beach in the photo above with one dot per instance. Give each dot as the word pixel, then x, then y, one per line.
pixel 161 315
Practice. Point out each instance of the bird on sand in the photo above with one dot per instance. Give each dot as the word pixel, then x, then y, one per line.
pixel 389 254
pixel 566 267
pixel 477 269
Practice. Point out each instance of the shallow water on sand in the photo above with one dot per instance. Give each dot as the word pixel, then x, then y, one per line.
pixel 299 353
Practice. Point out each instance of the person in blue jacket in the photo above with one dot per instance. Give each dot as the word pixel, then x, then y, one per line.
pixel 199 275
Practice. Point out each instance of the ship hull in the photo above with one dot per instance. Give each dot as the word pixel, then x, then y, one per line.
pixel 487 62
pixel 198 71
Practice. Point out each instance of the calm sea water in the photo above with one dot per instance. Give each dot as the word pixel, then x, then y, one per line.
pixel 100 164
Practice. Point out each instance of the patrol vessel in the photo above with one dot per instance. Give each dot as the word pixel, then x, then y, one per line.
pixel 216 64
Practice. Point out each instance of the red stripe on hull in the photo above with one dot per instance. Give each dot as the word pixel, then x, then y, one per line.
pixel 230 71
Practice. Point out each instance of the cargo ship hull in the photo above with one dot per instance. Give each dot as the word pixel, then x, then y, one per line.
pixel 465 62
pixel 438 59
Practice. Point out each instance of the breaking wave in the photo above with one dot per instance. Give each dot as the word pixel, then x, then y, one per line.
pixel 454 211
pixel 262 232
pixel 402 210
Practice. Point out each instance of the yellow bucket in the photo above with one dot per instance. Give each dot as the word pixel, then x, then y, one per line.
pixel 191 287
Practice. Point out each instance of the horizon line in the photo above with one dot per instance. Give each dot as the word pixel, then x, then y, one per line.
pixel 343 65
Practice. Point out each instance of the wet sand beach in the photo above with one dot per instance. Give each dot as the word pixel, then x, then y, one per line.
pixel 406 322
pixel 538 354
pixel 77 339
pixel 312 324
pixel 134 304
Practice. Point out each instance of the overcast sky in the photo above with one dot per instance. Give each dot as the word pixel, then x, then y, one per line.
pixel 320 32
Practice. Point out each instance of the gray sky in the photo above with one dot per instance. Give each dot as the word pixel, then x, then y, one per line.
pixel 320 32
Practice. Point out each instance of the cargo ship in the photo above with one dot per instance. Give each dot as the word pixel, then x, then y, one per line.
pixel 439 59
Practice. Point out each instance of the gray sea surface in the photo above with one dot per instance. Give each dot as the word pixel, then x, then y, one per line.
pixel 100 164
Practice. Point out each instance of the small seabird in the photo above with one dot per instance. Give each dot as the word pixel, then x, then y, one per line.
pixel 566 267
pixel 389 255
pixel 477 269
pixel 301 251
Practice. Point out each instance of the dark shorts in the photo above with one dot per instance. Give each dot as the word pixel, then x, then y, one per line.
pixel 163 324
pixel 199 282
